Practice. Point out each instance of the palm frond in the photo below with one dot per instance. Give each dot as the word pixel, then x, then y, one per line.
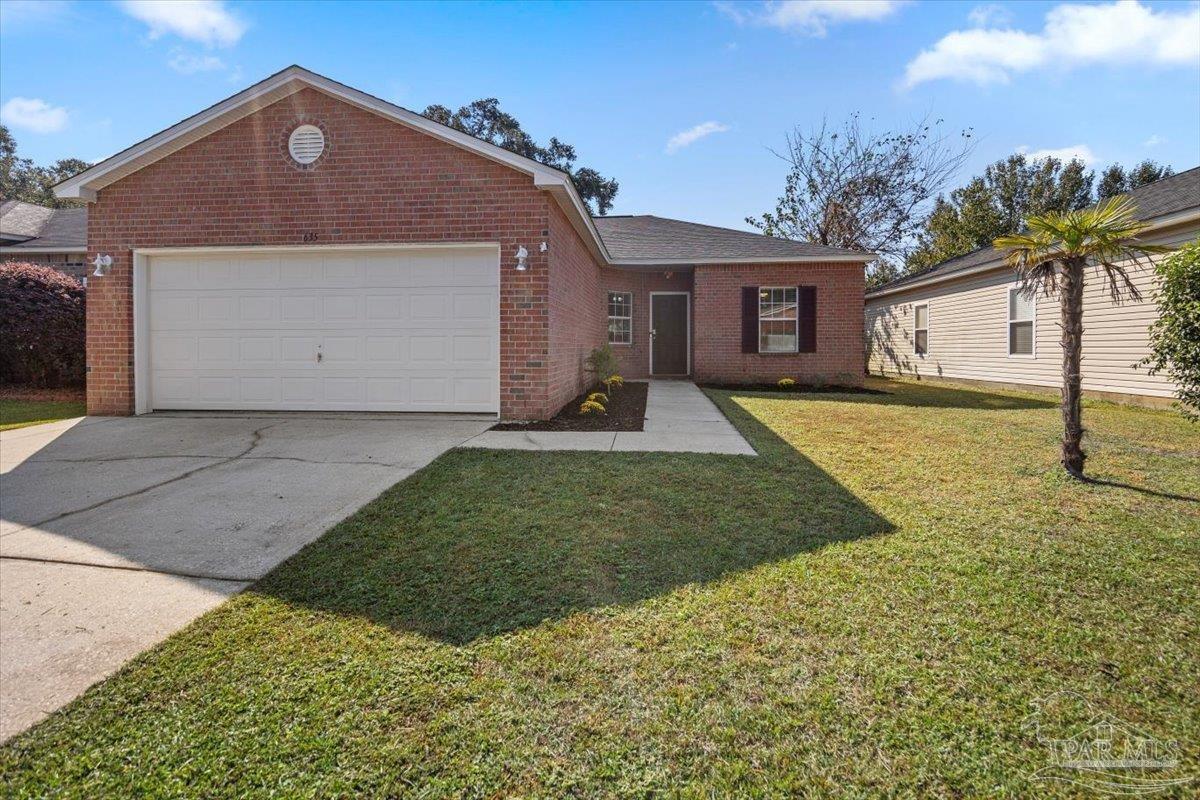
pixel 1105 234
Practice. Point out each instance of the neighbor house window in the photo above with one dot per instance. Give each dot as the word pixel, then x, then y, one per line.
pixel 921 329
pixel 1020 322
pixel 777 319
pixel 620 317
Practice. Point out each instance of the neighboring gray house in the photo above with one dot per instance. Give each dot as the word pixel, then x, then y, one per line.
pixel 56 237
pixel 963 319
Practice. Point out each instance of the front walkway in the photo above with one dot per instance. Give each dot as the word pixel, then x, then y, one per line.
pixel 679 418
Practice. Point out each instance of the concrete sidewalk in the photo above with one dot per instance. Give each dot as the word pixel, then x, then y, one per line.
pixel 679 419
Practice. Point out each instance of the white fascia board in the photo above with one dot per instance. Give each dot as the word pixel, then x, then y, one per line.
pixel 1180 218
pixel 85 185
pixel 293 79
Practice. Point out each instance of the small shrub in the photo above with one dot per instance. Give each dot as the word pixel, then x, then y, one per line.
pixel 787 383
pixel 597 397
pixel 614 380
pixel 591 407
pixel 42 326
pixel 601 362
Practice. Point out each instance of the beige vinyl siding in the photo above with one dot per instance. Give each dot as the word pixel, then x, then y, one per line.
pixel 968 332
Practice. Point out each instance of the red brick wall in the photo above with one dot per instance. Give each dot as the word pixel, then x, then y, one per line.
pixel 717 346
pixel 378 181
pixel 577 309
pixel 634 358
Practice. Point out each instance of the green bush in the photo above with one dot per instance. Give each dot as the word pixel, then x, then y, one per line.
pixel 1175 336
pixel 601 363
pixel 42 325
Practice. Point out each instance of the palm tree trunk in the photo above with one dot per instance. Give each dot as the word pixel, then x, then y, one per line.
pixel 1070 293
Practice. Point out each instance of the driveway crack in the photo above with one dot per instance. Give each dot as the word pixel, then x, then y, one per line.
pixel 255 439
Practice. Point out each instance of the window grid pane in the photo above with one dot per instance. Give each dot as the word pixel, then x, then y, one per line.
pixel 620 313
pixel 922 313
pixel 922 342
pixel 1020 338
pixel 1020 306
pixel 777 319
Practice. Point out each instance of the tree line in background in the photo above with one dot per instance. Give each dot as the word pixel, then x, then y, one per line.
pixel 1010 190
pixel 484 120
pixel 886 193
pixel 21 179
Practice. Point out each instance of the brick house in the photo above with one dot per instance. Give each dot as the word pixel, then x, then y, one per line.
pixel 54 237
pixel 303 245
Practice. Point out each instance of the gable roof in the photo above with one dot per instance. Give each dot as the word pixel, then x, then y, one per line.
pixel 648 239
pixel 33 228
pixel 1167 201
pixel 653 241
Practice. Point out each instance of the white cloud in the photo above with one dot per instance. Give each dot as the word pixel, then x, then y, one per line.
pixel 812 17
pixel 1154 141
pixel 991 15
pixel 190 64
pixel 1064 154
pixel 1073 35
pixel 204 21
pixel 693 135
pixel 33 114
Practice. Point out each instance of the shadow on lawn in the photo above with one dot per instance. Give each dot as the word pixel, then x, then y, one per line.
pixel 483 543
pixel 916 396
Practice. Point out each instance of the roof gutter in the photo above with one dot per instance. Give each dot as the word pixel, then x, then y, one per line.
pixel 1170 220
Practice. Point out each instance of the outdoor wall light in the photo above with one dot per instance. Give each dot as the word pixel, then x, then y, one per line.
pixel 522 257
pixel 102 263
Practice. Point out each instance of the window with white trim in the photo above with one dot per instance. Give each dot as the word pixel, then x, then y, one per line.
pixel 620 317
pixel 1021 308
pixel 778 322
pixel 921 329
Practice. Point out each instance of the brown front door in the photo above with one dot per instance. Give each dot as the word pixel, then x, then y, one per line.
pixel 669 334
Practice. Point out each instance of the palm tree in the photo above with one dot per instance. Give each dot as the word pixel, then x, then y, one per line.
pixel 1053 254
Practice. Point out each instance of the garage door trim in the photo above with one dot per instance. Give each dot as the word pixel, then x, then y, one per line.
pixel 143 400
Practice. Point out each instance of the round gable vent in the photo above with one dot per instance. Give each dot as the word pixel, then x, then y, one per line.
pixel 306 144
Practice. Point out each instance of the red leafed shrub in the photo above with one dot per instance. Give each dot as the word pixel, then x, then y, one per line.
pixel 41 326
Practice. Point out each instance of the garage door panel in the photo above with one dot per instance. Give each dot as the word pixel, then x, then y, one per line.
pixel 404 330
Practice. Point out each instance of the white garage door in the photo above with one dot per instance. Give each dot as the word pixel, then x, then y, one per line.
pixel 345 330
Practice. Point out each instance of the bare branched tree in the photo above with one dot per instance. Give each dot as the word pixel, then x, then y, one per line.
pixel 847 187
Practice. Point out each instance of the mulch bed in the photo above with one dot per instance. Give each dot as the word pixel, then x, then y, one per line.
pixel 30 394
pixel 626 411
pixel 799 388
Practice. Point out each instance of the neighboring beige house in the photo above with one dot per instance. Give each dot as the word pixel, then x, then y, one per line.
pixel 964 319
pixel 56 237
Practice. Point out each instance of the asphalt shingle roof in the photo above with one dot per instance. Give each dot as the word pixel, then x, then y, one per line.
pixel 26 225
pixel 649 238
pixel 1163 197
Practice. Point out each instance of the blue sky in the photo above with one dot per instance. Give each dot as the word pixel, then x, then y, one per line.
pixel 1117 81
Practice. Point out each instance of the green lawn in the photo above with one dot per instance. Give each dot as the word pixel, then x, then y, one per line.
pixel 20 413
pixel 872 606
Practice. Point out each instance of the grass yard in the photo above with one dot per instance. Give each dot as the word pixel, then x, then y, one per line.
pixel 20 409
pixel 872 606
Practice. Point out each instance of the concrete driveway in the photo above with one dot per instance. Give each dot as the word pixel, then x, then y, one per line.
pixel 116 532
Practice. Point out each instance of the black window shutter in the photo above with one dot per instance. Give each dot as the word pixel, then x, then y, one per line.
pixel 806 297
pixel 749 319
